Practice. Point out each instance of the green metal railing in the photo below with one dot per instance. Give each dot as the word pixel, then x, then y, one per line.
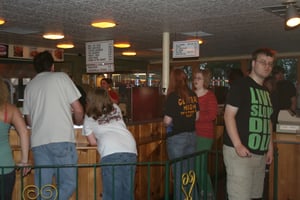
pixel 215 168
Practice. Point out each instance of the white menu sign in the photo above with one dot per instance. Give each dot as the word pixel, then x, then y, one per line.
pixel 99 56
pixel 185 49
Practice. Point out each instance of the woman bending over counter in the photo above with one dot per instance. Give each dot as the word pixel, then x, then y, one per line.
pixel 104 127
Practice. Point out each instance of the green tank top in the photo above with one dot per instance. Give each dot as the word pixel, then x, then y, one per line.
pixel 6 157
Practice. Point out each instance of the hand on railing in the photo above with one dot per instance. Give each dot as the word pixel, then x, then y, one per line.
pixel 25 170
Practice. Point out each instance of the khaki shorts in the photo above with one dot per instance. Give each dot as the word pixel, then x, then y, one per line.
pixel 245 176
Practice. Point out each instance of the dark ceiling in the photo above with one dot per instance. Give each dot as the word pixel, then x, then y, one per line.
pixel 228 27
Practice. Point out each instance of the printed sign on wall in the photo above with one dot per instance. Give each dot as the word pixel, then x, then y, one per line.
pixel 99 56
pixel 185 49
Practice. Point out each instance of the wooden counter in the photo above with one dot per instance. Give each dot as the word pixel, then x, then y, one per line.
pixel 288 148
pixel 151 147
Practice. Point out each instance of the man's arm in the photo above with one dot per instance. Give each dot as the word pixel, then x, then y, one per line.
pixel 230 122
pixel 167 120
pixel 27 120
pixel 77 112
pixel 293 103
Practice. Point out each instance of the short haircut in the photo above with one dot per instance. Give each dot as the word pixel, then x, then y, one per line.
pixel 43 62
pixel 264 51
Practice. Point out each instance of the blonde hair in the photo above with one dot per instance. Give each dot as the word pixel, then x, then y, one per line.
pixel 4 93
pixel 206 76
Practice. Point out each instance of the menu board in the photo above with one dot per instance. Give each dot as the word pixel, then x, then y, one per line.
pixel 99 56
pixel 185 49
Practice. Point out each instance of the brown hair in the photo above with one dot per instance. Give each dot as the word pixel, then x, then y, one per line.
pixel 4 93
pixel 206 76
pixel 108 81
pixel 98 103
pixel 43 61
pixel 264 51
pixel 178 84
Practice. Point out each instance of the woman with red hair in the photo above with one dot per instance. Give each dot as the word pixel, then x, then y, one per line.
pixel 180 114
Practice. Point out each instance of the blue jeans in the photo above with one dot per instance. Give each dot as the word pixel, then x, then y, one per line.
pixel 178 146
pixel 118 180
pixel 62 153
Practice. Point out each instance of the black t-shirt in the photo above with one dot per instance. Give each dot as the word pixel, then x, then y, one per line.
pixel 286 90
pixel 253 115
pixel 183 113
pixel 275 104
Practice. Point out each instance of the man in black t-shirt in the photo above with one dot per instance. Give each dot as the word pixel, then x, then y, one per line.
pixel 248 145
pixel 286 90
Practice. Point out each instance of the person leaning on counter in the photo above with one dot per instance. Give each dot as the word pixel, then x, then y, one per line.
pixel 104 127
pixel 50 99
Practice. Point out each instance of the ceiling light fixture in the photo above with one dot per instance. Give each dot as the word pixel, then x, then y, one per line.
pixel 53 36
pixel 2 21
pixel 200 41
pixel 65 45
pixel 292 16
pixel 122 45
pixel 129 53
pixel 103 24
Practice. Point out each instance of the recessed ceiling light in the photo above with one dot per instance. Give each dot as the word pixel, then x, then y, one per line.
pixel 65 45
pixel 122 45
pixel 103 24
pixel 53 36
pixel 2 21
pixel 128 53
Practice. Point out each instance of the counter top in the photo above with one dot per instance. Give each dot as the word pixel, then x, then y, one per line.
pixel 287 138
pixel 128 123
pixel 79 146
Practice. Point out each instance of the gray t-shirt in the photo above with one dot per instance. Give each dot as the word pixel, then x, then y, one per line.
pixel 47 100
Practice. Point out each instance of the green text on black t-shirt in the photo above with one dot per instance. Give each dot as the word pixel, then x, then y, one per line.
pixel 259 121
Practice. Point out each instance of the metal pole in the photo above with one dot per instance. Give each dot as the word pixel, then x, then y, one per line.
pixel 166 62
